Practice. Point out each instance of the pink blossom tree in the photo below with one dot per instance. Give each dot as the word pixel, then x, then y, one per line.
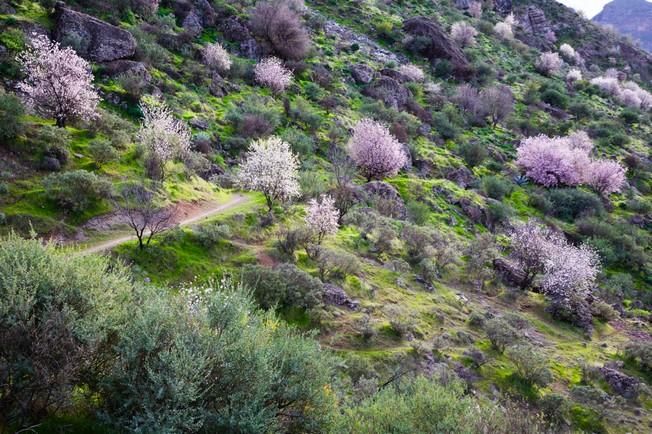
pixel 463 34
pixel 271 168
pixel 163 136
pixel 216 57
pixel 375 151
pixel 58 83
pixel 322 217
pixel 271 73
pixel 552 161
pixel 606 176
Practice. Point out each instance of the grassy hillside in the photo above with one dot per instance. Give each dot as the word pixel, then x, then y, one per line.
pixel 417 265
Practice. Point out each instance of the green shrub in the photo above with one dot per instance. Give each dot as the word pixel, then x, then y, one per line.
pixel 571 203
pixel 212 233
pixel 254 118
pixel 102 152
pixel 473 153
pixel 11 111
pixel 579 110
pixel 302 143
pixel 208 361
pixel 334 264
pixel 501 333
pixel 640 352
pixel 54 318
pixel 284 286
pixel 77 190
pixel 531 365
pixel 555 98
pixel 496 187
pixel 630 116
pixel 444 127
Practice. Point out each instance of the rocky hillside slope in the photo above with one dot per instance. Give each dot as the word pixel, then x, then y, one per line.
pixel 436 208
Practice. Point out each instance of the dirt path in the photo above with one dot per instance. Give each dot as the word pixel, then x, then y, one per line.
pixel 193 216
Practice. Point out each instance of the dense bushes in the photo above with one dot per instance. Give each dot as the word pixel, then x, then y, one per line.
pixel 54 315
pixel 76 190
pixel 145 360
pixel 283 286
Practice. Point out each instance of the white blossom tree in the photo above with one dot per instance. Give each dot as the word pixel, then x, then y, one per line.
pixel 58 83
pixel 322 217
pixel 163 136
pixel 271 73
pixel 216 57
pixel 271 168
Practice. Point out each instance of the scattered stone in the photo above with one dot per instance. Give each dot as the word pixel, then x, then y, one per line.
pixel 362 74
pixel 235 30
pixel 93 39
pixel 334 294
pixel 194 15
pixel 217 88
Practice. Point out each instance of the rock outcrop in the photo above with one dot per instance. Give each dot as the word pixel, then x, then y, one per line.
pixel 235 30
pixel 362 74
pixel 503 7
pixel 93 39
pixel 194 15
pixel 119 67
pixel 334 294
pixel 435 43
pixel 390 91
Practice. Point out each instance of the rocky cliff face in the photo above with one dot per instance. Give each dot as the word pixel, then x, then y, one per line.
pixel 630 17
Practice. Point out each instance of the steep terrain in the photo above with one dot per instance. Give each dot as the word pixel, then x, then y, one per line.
pixel 416 270
pixel 629 17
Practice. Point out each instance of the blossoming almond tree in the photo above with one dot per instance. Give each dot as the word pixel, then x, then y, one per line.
pixel 322 218
pixel 271 168
pixel 376 152
pixel 216 57
pixel 271 73
pixel 552 161
pixel 58 83
pixel 163 136
pixel 606 176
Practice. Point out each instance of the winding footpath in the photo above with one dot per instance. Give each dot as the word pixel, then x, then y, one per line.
pixel 238 199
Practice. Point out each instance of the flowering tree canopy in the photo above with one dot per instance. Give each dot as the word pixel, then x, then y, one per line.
pixel 412 72
pixel 627 93
pixel 568 272
pixel 322 217
pixel 271 73
pixel 163 136
pixel 568 52
pixel 554 161
pixel 58 83
pixel 376 152
pixel 549 63
pixel 606 176
pixel 574 75
pixel 463 34
pixel 216 57
pixel 271 168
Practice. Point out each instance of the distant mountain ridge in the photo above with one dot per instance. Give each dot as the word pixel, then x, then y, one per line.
pixel 629 17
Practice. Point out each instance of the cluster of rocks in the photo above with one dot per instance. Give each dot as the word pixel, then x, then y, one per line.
pixel 335 295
